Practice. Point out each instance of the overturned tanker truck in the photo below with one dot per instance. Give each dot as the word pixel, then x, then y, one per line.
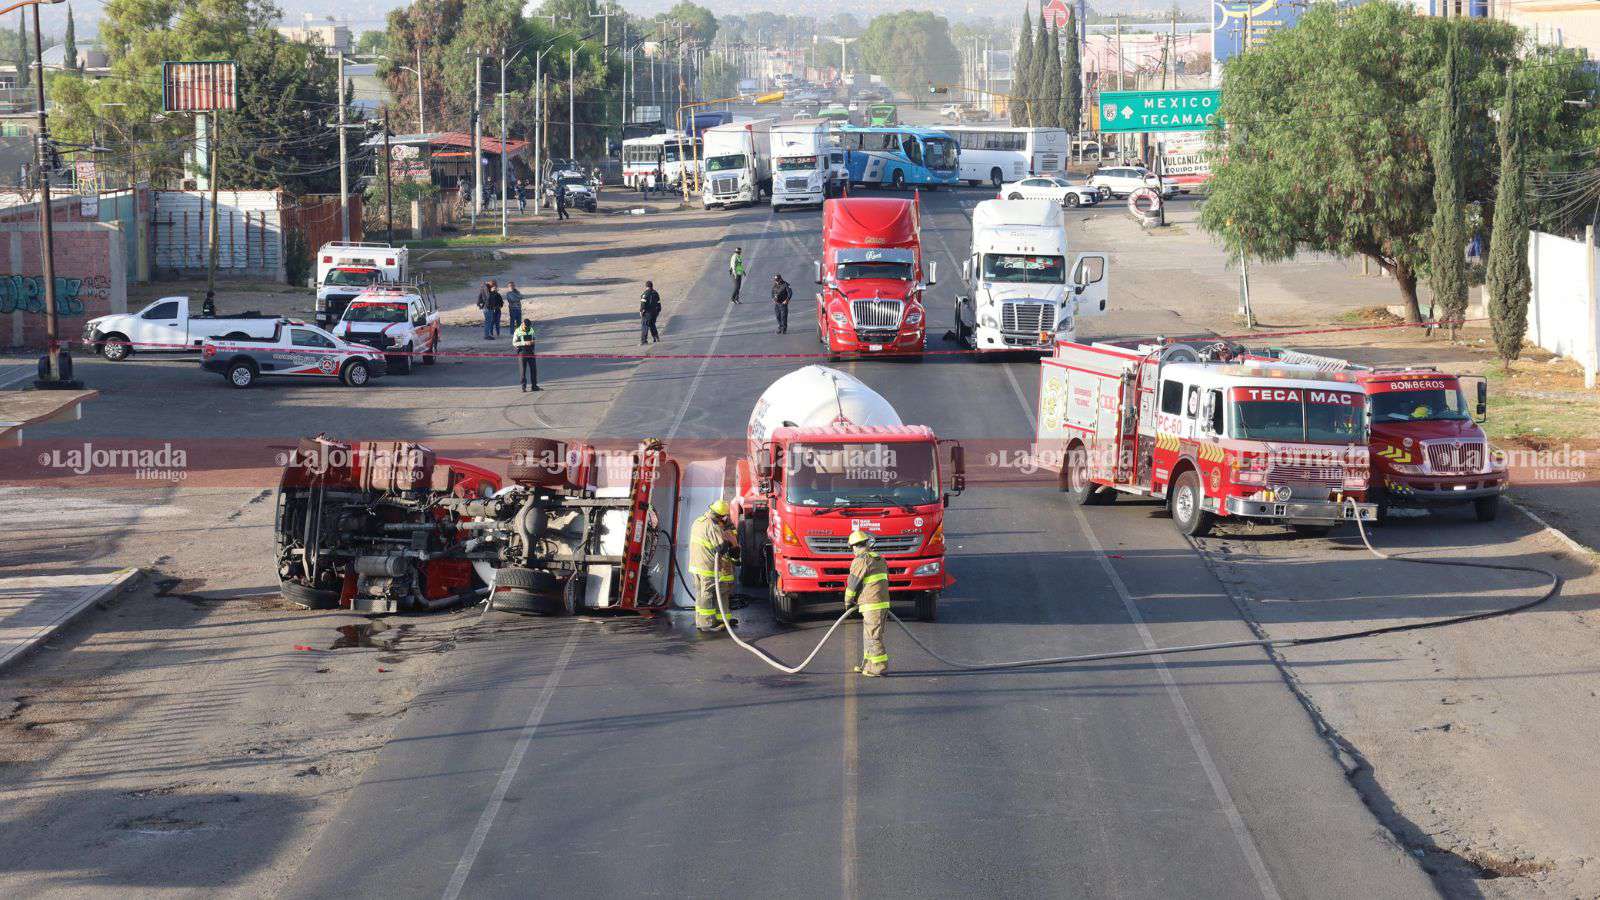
pixel 390 527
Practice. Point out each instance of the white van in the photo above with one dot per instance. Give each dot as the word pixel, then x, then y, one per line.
pixel 346 268
pixel 1024 289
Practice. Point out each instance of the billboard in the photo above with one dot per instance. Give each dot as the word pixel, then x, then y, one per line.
pixel 1231 19
pixel 198 86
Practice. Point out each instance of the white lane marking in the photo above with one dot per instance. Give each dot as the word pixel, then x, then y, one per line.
pixel 1247 844
pixel 509 774
pixel 694 383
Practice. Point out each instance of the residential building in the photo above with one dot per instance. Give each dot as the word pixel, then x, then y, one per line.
pixel 330 34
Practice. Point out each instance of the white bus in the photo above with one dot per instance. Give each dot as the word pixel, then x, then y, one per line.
pixel 999 154
pixel 657 161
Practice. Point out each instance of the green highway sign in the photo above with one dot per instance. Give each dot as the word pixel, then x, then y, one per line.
pixel 1138 111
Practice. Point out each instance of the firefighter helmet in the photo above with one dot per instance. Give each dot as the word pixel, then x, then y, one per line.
pixel 719 507
pixel 859 537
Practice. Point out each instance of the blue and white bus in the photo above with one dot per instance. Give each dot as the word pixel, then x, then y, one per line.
pixel 900 156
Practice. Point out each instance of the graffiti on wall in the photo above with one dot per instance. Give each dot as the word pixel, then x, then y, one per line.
pixel 25 293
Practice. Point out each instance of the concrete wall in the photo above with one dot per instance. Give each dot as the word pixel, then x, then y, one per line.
pixel 90 267
pixel 1562 308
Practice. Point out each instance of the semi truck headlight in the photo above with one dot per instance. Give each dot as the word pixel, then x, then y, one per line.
pixel 914 318
pixel 838 318
pixel 796 570
pixel 927 568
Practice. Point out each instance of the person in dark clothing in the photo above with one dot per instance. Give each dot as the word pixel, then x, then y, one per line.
pixel 527 361
pixel 522 199
pixel 488 313
pixel 513 298
pixel 781 295
pixel 649 309
pixel 497 302
pixel 209 307
pixel 561 202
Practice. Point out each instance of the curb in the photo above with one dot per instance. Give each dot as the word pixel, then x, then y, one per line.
pixel 1572 543
pixel 122 580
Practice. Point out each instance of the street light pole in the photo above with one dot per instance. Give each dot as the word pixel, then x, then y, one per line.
pixel 344 167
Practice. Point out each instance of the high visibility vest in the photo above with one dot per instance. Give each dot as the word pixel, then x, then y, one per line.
pixel 736 265
pixel 706 538
pixel 869 582
pixel 523 336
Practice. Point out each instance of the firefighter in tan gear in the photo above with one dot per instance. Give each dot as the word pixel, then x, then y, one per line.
pixel 711 553
pixel 868 587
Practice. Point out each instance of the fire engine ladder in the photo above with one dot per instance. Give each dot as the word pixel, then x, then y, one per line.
pixel 1128 389
pixel 647 464
pixel 1329 364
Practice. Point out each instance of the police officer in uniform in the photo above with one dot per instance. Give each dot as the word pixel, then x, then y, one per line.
pixel 711 554
pixel 868 588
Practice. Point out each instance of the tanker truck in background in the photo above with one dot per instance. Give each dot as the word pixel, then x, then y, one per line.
pixel 872 277
pixel 828 455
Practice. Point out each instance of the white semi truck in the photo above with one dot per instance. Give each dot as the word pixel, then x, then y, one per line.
pixel 801 172
pixel 738 162
pixel 1024 288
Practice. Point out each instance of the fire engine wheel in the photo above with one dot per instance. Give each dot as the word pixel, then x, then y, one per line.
pixel 522 590
pixel 115 348
pixel 537 461
pixel 752 572
pixel 1187 513
pixel 1076 482
pixel 308 597
pixel 782 604
pixel 572 594
pixel 928 606
pixel 1486 508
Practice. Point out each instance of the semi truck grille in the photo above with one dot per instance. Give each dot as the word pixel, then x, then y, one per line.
pixel 725 186
pixel 797 184
pixel 1295 474
pixel 1025 318
pixel 898 543
pixel 877 313
pixel 1456 457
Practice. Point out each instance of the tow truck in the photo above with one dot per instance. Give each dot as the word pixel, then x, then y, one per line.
pixel 389 527
pixel 1214 433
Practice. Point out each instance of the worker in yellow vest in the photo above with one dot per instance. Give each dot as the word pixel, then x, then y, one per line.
pixel 712 549
pixel 868 588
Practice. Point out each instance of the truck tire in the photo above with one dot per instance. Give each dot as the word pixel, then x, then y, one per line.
pixel 572 594
pixel 541 462
pixel 400 363
pixel 308 597
pixel 115 348
pixel 899 180
pixel 928 606
pixel 1076 480
pixel 1191 518
pixel 1380 499
pixel 356 374
pixel 752 552
pixel 996 177
pixel 242 374
pixel 432 356
pixel 783 606
pixel 1486 508
pixel 528 591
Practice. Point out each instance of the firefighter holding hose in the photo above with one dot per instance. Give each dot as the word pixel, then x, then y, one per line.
pixel 868 587
pixel 712 551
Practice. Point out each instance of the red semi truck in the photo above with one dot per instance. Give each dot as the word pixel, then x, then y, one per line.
pixel 827 456
pixel 872 278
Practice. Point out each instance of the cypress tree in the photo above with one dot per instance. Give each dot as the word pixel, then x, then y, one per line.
pixel 1051 68
pixel 69 46
pixel 1071 80
pixel 1041 108
pixel 1021 73
pixel 24 62
pixel 1508 279
pixel 1448 267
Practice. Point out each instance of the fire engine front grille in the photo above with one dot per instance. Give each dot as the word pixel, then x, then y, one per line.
pixel 877 313
pixel 721 186
pixel 1025 318
pixel 1456 457
pixel 897 543
pixel 1294 474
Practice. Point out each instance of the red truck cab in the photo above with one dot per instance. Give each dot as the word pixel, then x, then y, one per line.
pixel 872 277
pixel 1427 448
pixel 810 487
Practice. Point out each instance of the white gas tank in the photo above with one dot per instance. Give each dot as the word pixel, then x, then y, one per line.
pixel 817 396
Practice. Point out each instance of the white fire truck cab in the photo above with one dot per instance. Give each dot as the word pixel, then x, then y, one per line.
pixel 1214 437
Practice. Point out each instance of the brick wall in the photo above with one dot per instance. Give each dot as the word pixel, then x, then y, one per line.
pixel 91 273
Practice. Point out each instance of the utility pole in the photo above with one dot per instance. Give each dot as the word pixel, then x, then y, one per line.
pixel 422 123
pixel 504 196
pixel 58 358
pixel 1122 151
pixel 477 137
pixel 212 150
pixel 538 145
pixel 605 40
pixel 344 167
pixel 388 182
pixel 572 103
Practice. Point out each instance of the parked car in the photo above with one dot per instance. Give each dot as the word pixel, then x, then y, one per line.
pixel 402 320
pixel 1083 147
pixel 950 110
pixel 973 114
pixel 1051 187
pixel 296 350
pixel 167 326
pixel 1120 181
pixel 580 190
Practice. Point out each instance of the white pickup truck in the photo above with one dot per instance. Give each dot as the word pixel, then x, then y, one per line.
pixel 402 320
pixel 166 326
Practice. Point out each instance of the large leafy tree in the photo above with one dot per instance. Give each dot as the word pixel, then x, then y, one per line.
pixel 1329 125
pixel 910 50
pixel 1507 278
pixel 702 25
pixel 1022 74
pixel 1446 248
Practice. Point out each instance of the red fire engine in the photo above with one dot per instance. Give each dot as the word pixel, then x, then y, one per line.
pixel 1213 436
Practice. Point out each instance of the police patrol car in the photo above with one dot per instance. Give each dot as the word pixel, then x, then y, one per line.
pixel 295 349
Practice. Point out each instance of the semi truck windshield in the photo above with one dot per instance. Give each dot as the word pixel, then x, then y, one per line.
pixel 1298 414
pixel 867 474
pixel 725 163
pixel 1018 269
pixel 897 271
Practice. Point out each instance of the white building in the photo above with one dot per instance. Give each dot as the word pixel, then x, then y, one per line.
pixel 330 34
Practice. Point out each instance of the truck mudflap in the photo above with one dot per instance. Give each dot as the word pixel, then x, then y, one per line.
pixel 1301 510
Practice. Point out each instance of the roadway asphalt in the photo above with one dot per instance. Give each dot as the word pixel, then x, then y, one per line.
pixel 628 757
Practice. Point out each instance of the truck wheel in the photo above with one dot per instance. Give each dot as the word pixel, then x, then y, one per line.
pixel 1014 196
pixel 432 356
pixel 1105 192
pixel 996 177
pixel 1312 531
pixel 752 537
pixel 572 594
pixel 529 591
pixel 308 597
pixel 899 180
pixel 928 606
pixel 242 374
pixel 400 363
pixel 356 373
pixel 782 603
pixel 1084 492
pixel 1071 200
pixel 541 462
pixel 1187 513
pixel 1380 499
pixel 116 348
pixel 1486 508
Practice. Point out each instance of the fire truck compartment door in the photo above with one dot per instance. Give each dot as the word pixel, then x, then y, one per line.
pixel 1091 284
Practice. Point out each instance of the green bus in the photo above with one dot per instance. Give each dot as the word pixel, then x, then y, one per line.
pixel 883 115
pixel 835 113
